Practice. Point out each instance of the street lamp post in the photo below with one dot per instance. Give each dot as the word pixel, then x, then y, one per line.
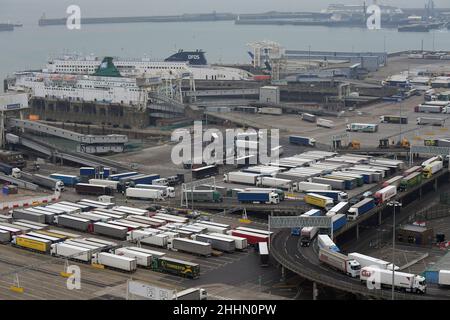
pixel 393 204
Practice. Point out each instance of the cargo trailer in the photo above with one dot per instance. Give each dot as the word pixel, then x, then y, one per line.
pixel 68 180
pixel 318 200
pixel 334 183
pixel 166 191
pixel 267 197
pixel 107 229
pixel 171 218
pixel 154 254
pixel 430 121
pixel 367 261
pixel 83 208
pixel 118 176
pixel 142 259
pixel 93 189
pixel 28 224
pixel 66 209
pixel 140 179
pixel 341 207
pixel 252 237
pixel 52 238
pixel 394 181
pixel 191 294
pixel 402 281
pixel 144 194
pixel 394 119
pixel 432 168
pixel 263 250
pixel 411 181
pixel 362 127
pixel 308 117
pixel 32 243
pixel 205 172
pixel 385 194
pixel 204 196
pixel 114 261
pixel 191 246
pixel 96 204
pixel 361 208
pixel 12 225
pixel 241 177
pixel 340 262
pixel 218 243
pixel 240 243
pixel 74 223
pixel 425 108
pixel 64 233
pixel 28 215
pixel 338 221
pixel 11 230
pixel 324 123
pixel 114 185
pixel 274 182
pixel 302 141
pixel 337 196
pixel 325 242
pixel 177 267
pixel 211 228
pixel 5 236
pixel 303 186
pixel 71 252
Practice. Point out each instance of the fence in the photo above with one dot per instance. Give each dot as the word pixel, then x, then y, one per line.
pixel 29 202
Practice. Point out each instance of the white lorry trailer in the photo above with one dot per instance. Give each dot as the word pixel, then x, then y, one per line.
pixel 147 194
pixel 241 177
pixel 402 281
pixel 114 261
pixel 367 261
pixel 340 262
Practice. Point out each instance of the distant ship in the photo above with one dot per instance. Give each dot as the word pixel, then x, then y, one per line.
pixel 6 27
pixel 414 28
pixel 182 64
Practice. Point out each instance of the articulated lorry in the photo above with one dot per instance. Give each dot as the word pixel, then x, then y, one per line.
pixel 340 262
pixel 267 197
pixel 360 208
pixel 402 281
pixel 191 294
pixel 241 177
pixel 302 141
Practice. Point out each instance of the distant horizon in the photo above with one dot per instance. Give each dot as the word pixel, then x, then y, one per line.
pixel 32 10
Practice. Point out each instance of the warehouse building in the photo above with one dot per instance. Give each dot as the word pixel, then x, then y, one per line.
pixel 415 235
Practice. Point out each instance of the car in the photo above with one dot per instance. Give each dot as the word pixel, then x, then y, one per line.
pixel 367 194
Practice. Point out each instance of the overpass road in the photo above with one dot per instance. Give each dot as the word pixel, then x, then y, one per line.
pixel 287 251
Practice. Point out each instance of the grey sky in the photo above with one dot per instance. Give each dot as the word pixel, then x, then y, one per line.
pixel 32 9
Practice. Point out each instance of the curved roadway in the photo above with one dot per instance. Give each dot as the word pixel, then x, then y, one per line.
pixel 287 251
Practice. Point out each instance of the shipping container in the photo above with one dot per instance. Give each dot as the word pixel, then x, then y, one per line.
pixel 107 229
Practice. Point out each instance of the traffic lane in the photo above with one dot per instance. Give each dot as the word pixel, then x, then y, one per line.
pixel 309 259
